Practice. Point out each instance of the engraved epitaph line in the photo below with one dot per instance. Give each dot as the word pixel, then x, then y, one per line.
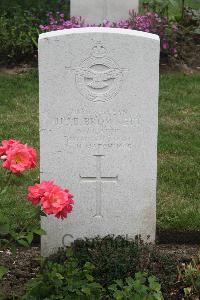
pixel 98 179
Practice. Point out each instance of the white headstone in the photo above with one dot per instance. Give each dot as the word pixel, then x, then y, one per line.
pixel 96 11
pixel 98 130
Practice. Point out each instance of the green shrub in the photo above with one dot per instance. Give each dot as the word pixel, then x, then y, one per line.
pixel 37 5
pixel 160 6
pixel 113 258
pixel 66 281
pixel 189 276
pixel 19 23
pixel 140 288
pixel 18 38
pixel 70 280
pixel 119 258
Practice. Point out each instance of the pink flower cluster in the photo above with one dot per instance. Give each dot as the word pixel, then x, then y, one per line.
pixel 60 23
pixel 153 23
pixel 16 156
pixel 150 22
pixel 52 198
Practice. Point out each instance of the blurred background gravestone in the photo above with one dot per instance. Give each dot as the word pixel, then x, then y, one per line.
pixel 96 11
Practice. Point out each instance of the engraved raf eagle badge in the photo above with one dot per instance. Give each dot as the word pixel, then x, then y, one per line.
pixel 99 77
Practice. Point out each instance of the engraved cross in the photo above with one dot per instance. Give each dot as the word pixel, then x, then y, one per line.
pixel 98 179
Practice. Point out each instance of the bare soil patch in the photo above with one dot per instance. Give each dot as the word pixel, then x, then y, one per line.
pixel 16 70
pixel 24 265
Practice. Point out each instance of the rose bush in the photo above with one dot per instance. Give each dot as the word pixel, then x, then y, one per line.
pixel 16 158
pixel 53 199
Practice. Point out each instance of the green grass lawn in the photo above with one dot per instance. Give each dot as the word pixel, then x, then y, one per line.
pixel 19 120
pixel 178 156
pixel 179 152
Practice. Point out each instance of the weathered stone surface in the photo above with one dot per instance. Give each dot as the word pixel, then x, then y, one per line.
pixel 98 130
pixel 96 11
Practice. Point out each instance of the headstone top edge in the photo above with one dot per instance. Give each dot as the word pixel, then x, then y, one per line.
pixel 130 32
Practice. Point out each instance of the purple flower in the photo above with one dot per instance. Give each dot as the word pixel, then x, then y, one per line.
pixel 174 27
pixel 165 45
pixel 150 22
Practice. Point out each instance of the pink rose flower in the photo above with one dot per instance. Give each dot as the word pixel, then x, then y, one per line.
pixel 57 202
pixel 53 199
pixel 32 157
pixel 36 192
pixel 19 158
pixel 6 145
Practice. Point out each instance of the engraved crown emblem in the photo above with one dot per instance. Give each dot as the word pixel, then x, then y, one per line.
pixel 99 50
